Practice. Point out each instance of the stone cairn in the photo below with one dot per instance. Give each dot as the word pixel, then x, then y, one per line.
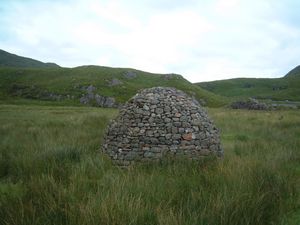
pixel 161 121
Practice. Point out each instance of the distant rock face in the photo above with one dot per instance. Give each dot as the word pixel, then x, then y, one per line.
pixel 115 82
pixel 129 75
pixel 251 104
pixel 171 76
pixel 95 99
pixel 160 121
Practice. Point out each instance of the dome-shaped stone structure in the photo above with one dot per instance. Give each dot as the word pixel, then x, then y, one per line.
pixel 159 121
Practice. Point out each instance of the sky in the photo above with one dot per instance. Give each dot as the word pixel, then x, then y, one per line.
pixel 202 40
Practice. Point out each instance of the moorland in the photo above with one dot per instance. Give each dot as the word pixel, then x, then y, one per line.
pixel 52 170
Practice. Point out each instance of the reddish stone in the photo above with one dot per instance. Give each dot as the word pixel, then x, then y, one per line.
pixel 188 136
pixel 177 114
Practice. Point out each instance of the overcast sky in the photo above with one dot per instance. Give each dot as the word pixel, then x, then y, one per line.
pixel 201 40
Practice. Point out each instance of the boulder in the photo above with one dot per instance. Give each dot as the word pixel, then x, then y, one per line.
pixel 250 104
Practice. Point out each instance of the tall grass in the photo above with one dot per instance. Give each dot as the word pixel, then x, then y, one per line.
pixel 52 172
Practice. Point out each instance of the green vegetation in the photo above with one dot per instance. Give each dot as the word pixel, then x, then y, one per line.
pixel 17 84
pixel 286 88
pixel 52 172
pixel 11 60
pixel 294 73
pixel 23 78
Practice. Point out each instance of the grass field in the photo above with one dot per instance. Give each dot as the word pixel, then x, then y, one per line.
pixel 52 172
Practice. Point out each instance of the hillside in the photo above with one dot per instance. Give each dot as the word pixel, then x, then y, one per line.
pixel 23 80
pixel 10 60
pixel 72 85
pixel 285 88
pixel 294 73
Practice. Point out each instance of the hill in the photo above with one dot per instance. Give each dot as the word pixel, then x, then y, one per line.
pixel 10 60
pixel 23 80
pixel 279 89
pixel 90 85
pixel 294 73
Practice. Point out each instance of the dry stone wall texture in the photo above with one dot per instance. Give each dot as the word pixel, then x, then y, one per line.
pixel 160 121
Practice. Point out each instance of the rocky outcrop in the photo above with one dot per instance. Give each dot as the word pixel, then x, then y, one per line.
pixel 161 121
pixel 115 82
pixel 129 75
pixel 250 104
pixel 171 76
pixel 92 98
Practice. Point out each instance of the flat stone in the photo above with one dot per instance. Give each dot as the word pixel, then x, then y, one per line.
pixel 154 140
pixel 204 152
pixel 142 131
pixel 149 133
pixel 168 136
pixel 167 109
pixel 176 136
pixel 167 120
pixel 177 114
pixel 146 148
pixel 159 110
pixel 181 130
pixel 188 136
pixel 183 119
pixel 174 130
pixel 155 149
pixel 148 154
pixel 177 124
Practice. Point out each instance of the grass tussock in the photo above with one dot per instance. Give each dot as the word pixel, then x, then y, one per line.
pixel 52 172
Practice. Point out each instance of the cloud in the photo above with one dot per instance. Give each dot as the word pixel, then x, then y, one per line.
pixel 226 7
pixel 204 40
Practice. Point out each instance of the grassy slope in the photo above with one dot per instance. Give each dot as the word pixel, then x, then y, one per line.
pixel 286 88
pixel 10 60
pixel 51 172
pixel 294 73
pixel 66 81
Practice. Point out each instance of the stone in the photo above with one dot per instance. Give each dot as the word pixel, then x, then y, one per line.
pixel 167 120
pixel 250 104
pixel 176 136
pixel 177 124
pixel 177 114
pixel 168 136
pixel 90 89
pixel 149 133
pixel 167 109
pixel 159 110
pixel 145 107
pixel 156 122
pixel 84 100
pixel 188 136
pixel 92 98
pixel 181 130
pixel 148 154
pixel 115 82
pixel 174 130
pixel 109 102
pixel 142 131
pixel 146 148
pixel 130 75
